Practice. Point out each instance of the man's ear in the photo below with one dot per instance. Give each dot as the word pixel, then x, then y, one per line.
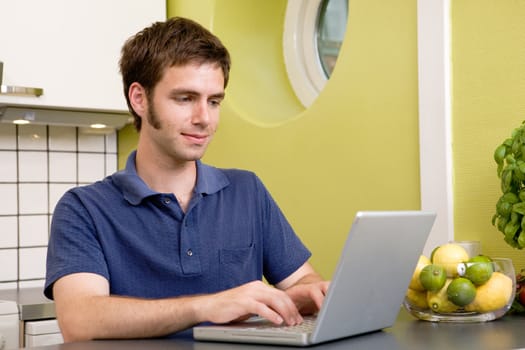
pixel 138 99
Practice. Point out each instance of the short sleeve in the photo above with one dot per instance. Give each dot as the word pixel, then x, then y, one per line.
pixel 73 244
pixel 284 252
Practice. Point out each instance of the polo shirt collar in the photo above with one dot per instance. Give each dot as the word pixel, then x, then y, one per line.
pixel 134 189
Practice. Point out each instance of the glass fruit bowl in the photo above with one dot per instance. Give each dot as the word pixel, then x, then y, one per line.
pixel 476 289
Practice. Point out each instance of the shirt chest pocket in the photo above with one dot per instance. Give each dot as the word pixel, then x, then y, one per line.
pixel 238 266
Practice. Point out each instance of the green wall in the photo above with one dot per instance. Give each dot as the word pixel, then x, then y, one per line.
pixel 488 60
pixel 356 148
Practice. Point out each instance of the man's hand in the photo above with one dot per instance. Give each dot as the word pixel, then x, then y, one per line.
pixel 254 298
pixel 308 297
pixel 306 288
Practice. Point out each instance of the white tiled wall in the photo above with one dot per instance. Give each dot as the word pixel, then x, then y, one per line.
pixel 37 165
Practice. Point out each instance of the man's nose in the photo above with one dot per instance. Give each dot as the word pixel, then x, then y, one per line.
pixel 201 114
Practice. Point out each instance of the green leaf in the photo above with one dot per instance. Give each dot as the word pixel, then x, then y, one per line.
pixel 510 241
pixel 506 180
pixel 511 229
pixel 502 222
pixel 521 166
pixel 516 145
pixel 515 218
pixel 504 208
pixel 510 197
pixel 500 169
pixel 521 240
pixel 519 208
pixel 509 158
pixel 499 154
pixel 494 218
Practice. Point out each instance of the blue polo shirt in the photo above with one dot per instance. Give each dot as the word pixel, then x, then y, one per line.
pixel 145 245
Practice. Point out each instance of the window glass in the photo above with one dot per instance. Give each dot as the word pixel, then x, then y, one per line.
pixel 331 28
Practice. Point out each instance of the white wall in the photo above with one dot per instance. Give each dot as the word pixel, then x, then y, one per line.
pixel 37 165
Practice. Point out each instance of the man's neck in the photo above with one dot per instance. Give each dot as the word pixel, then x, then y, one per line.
pixel 167 176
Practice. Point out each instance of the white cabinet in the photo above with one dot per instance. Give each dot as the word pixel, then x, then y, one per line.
pixel 70 48
pixel 9 325
pixel 42 333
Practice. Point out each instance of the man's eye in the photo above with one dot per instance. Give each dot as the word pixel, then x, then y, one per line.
pixel 183 98
pixel 215 102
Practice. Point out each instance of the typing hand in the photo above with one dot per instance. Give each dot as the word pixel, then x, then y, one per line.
pixel 254 298
pixel 308 297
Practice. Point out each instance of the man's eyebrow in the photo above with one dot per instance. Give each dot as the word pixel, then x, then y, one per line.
pixel 175 92
pixel 218 95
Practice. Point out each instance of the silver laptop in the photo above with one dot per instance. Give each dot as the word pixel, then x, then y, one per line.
pixel 367 288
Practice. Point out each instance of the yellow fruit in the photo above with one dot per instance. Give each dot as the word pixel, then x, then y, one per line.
pixel 415 284
pixel 492 295
pixel 438 301
pixel 449 256
pixel 417 298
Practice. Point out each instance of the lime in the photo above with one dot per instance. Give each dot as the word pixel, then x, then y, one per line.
pixel 461 291
pixel 449 256
pixel 480 258
pixel 433 277
pixel 438 301
pixel 479 269
pixel 415 284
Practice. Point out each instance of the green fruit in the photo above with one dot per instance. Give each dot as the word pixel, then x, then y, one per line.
pixel 461 291
pixel 433 277
pixel 480 258
pixel 479 269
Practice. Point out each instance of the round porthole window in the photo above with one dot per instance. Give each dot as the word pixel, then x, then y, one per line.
pixel 313 34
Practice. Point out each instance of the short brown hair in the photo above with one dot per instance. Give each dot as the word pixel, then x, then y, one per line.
pixel 174 42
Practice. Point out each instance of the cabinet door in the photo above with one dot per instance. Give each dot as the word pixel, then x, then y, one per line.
pixel 43 340
pixel 70 48
pixel 42 332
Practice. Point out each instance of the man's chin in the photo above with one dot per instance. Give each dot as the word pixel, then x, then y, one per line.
pixel 192 156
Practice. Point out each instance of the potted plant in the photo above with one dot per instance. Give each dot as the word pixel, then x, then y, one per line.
pixel 510 208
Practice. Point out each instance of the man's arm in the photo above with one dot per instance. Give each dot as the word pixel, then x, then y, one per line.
pixel 85 310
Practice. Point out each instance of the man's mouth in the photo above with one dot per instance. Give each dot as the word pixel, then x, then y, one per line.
pixel 196 138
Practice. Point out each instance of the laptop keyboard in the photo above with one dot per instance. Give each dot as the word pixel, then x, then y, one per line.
pixel 306 327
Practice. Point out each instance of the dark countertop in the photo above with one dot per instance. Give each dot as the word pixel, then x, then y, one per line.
pixel 32 304
pixel 407 333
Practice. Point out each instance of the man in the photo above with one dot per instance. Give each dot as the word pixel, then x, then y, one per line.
pixel 170 242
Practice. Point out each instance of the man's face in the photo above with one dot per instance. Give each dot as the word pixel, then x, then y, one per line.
pixel 183 111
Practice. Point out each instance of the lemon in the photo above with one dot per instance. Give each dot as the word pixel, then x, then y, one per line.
pixel 415 284
pixel 449 256
pixel 479 269
pixel 432 277
pixel 461 291
pixel 492 295
pixel 432 254
pixel 438 301
pixel 417 298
